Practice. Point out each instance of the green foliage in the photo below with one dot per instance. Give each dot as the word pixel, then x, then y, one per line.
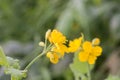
pixel 3 60
pixel 16 74
pixel 79 68
pixel 13 63
pixel 111 77
pixel 11 66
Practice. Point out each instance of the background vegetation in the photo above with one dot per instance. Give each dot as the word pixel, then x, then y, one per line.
pixel 23 24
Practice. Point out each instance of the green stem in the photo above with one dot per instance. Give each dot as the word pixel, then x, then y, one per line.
pixel 76 77
pixel 36 58
pixel 45 45
pixel 33 61
pixel 89 73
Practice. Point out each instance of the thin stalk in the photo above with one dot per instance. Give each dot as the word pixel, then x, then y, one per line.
pixel 76 77
pixel 36 58
pixel 33 61
pixel 45 45
pixel 89 73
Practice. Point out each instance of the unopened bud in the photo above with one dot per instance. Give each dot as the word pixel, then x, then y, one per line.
pixel 96 41
pixel 41 44
pixel 47 33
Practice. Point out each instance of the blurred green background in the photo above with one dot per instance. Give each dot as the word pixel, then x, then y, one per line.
pixel 23 24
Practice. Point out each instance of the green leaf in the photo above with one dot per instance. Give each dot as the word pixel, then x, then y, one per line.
pixel 79 68
pixel 15 73
pixel 15 78
pixel 111 77
pixel 13 63
pixel 3 60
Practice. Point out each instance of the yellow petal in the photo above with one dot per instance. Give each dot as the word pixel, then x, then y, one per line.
pixel 83 56
pixel 54 59
pixel 75 44
pixel 87 46
pixel 49 54
pixel 57 37
pixel 60 49
pixel 92 59
pixel 97 50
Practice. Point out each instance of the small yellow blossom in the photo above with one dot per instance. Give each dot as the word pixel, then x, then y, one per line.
pixel 53 57
pixel 96 41
pixel 89 53
pixel 56 53
pixel 57 37
pixel 60 49
pixel 75 44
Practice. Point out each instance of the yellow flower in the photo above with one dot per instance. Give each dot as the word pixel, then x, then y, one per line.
pixel 56 37
pixel 56 53
pixel 89 53
pixel 60 49
pixel 74 45
pixel 53 57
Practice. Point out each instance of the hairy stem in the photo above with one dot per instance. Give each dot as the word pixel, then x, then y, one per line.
pixel 33 61
pixel 36 58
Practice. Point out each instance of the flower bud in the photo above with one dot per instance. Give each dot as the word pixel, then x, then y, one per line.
pixel 47 34
pixel 96 41
pixel 41 44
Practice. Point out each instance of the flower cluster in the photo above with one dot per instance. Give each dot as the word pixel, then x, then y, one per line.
pixel 59 48
pixel 88 51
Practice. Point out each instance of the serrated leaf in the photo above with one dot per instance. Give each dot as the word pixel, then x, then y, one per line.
pixel 111 77
pixel 16 74
pixel 3 60
pixel 13 63
pixel 79 68
pixel 15 78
